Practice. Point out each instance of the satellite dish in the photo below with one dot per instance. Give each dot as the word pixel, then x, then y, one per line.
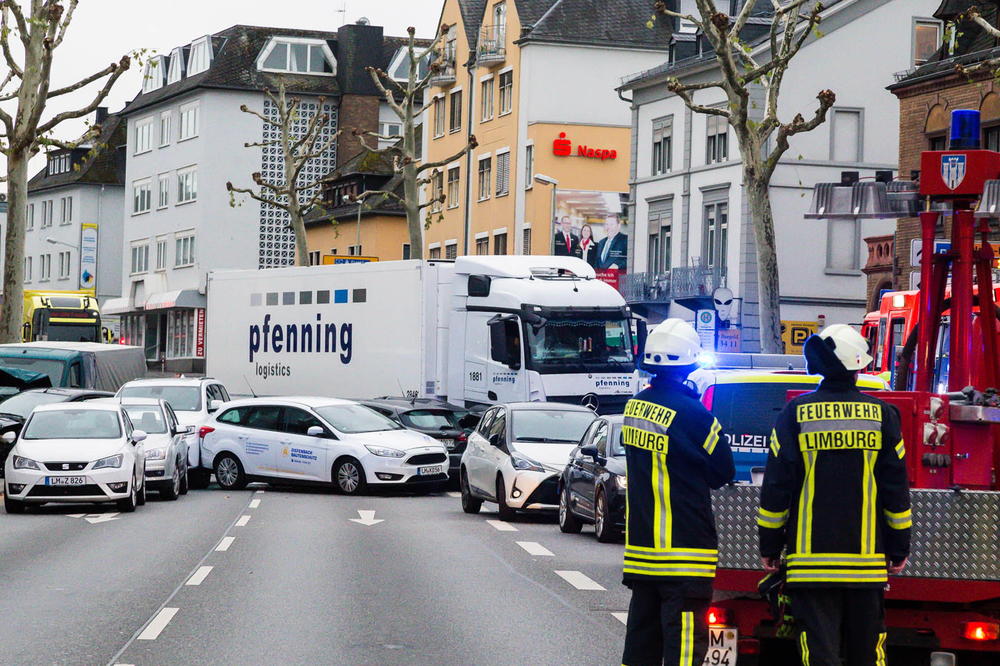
pixel 364 20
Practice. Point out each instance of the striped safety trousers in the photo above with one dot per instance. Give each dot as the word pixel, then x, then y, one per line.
pixel 839 620
pixel 666 623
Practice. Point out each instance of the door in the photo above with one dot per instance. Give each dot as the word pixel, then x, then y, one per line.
pixel 505 374
pixel 260 439
pixel 476 355
pixel 476 450
pixel 178 439
pixel 582 490
pixel 301 455
pixel 496 451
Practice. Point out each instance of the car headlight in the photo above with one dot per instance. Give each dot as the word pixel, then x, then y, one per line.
pixel 109 462
pixel 21 462
pixel 383 452
pixel 621 482
pixel 524 464
pixel 156 454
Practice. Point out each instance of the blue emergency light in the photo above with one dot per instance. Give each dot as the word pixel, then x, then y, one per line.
pixel 964 130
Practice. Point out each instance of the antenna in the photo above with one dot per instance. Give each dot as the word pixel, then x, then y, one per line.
pixel 413 399
pixel 254 394
pixel 342 12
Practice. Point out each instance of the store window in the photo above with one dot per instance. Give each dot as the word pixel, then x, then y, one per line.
pixel 132 329
pixel 180 333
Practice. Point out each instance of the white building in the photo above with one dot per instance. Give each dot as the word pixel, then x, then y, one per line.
pixel 687 198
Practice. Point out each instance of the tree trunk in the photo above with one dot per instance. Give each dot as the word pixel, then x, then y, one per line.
pixel 299 229
pixel 12 310
pixel 768 289
pixel 411 197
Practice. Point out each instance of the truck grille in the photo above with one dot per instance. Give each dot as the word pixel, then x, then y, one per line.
pixel 427 459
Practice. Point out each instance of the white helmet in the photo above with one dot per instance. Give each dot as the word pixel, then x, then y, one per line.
pixel 849 346
pixel 672 343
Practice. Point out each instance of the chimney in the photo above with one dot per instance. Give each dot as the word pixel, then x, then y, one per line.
pixel 102 115
pixel 359 45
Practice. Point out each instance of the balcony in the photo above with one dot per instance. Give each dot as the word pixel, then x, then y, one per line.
pixel 492 46
pixel 664 288
pixel 444 72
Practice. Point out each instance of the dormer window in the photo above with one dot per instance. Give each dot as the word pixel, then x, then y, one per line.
pixel 302 56
pixel 688 8
pixel 152 78
pixel 176 72
pixel 200 56
pixel 399 67
pixel 59 163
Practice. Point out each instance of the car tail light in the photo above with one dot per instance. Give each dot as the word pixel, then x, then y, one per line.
pixel 708 397
pixel 717 616
pixel 981 631
pixel 204 430
pixel 462 437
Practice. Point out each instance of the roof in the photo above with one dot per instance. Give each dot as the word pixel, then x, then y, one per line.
pixel 300 401
pixel 365 163
pixel 100 166
pixel 621 23
pixel 548 407
pixel 472 18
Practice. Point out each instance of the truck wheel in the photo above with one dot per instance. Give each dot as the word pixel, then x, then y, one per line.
pixel 568 523
pixel 506 513
pixel 229 473
pixel 12 505
pixel 198 479
pixel 349 477
pixel 470 504
pixel 604 529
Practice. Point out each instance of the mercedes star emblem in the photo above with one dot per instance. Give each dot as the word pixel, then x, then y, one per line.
pixel 591 401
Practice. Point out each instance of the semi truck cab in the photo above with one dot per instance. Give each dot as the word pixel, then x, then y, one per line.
pixel 61 317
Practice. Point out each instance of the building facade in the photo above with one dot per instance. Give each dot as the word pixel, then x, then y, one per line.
pixel 693 232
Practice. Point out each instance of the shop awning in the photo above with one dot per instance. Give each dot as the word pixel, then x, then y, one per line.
pixel 116 306
pixel 181 298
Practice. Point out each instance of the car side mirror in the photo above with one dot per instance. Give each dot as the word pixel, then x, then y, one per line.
pixel 590 451
pixel 188 430
pixel 316 431
pixel 9 437
pixel 138 436
pixel 214 405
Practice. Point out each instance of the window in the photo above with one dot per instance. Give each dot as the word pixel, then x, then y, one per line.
pixel 353 251
pixel 529 166
pixel 200 57
pixel 438 117
pixel 434 252
pixel 187 185
pixel 437 190
pixel 189 122
pixel 27 269
pixel 503 174
pixel 506 92
pixel 500 243
pixel 64 269
pixel 483 245
pixel 152 76
pixel 926 40
pixel 938 142
pixel 65 210
pixel 687 8
pixel 487 98
pixel 304 56
pixel 176 72
pixel 843 245
pixel 391 133
pixel 660 236
pixel 142 196
pixel 165 129
pixel 47 213
pixel 140 258
pixel 455 120
pixel 143 135
pixel 405 254
pixel 184 252
pixel 451 250
pixel 846 136
pixel 485 177
pixel 161 254
pixel 526 240
pixel 663 142
pixel 314 258
pixel 31 217
pixel 716 239
pixel 991 138
pixel 453 186
pixel 45 267
pixel 500 22
pixel 59 163
pixel 180 333
pixel 717 143
pixel 163 191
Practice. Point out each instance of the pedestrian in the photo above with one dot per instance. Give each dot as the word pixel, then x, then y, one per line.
pixel 675 455
pixel 836 499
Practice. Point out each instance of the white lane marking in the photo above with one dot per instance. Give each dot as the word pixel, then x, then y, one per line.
pixel 199 576
pixel 254 503
pixel 579 580
pixel 535 548
pixel 454 494
pixel 75 515
pixel 501 526
pixel 96 518
pixel 621 617
pixel 259 492
pixel 242 522
pixel 367 518
pixel 225 544
pixel 157 624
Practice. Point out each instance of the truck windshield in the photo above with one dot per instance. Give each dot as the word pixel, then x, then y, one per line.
pixel 54 369
pixel 72 333
pixel 579 345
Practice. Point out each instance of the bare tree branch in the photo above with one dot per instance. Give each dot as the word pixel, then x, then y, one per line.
pixel 84 82
pixel 471 145
pixel 119 69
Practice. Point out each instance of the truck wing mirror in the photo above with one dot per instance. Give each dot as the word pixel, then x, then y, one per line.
pixel 505 341
pixel 641 333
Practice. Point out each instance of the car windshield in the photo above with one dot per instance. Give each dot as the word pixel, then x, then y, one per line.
pixel 577 345
pixel 352 419
pixel 430 419
pixel 181 398
pixel 550 426
pixel 22 403
pixel 147 418
pixel 54 369
pixel 73 424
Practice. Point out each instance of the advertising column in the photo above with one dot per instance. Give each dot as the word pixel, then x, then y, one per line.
pixel 88 257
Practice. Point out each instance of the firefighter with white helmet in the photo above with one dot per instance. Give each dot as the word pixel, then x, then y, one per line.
pixel 676 454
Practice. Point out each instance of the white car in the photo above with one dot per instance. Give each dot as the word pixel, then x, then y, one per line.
pixel 194 400
pixel 318 440
pixel 517 453
pixel 80 452
pixel 166 445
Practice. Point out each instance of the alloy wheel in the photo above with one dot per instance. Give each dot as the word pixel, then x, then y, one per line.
pixel 599 515
pixel 348 477
pixel 227 472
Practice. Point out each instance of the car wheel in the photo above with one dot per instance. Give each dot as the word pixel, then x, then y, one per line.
pixel 128 504
pixel 568 523
pixel 507 514
pixel 349 477
pixel 13 505
pixel 198 479
pixel 184 481
pixel 229 473
pixel 173 491
pixel 140 496
pixel 603 526
pixel 470 504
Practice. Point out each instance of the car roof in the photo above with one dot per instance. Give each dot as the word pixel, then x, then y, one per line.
pixel 170 381
pixel 70 392
pixel 292 401
pixel 99 405
pixel 776 377
pixel 136 402
pixel 407 403
pixel 547 406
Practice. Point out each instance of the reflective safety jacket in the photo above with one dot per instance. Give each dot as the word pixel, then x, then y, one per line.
pixel 675 455
pixel 835 489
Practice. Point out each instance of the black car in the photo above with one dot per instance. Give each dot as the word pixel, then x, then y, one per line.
pixel 450 424
pixel 16 409
pixel 592 487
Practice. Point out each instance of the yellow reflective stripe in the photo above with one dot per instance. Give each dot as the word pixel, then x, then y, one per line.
pixel 809 557
pixel 772 519
pixel 880 650
pixel 650 411
pixel 662 519
pixel 899 521
pixel 869 505
pixel 873 578
pixel 713 437
pixel 671 557
pixel 698 573
pixel 697 551
pixel 805 503
pixel 775 444
pixel 901 449
pixel 804 648
pixel 69 320
pixel 687 639
pixel 670 566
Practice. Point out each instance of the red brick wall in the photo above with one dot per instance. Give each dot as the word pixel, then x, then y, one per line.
pixel 356 112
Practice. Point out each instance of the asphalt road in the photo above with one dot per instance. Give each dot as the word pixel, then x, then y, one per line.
pixel 268 575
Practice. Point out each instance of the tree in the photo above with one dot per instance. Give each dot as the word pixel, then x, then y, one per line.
pixel 34 36
pixel 407 102
pixel 743 73
pixel 295 194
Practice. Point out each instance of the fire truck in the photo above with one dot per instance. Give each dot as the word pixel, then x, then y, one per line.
pixel 947 601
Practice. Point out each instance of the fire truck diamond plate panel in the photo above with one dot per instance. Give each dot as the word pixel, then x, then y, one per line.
pixel 955 534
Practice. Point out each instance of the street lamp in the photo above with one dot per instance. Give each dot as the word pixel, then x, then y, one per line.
pixel 53 241
pixel 549 180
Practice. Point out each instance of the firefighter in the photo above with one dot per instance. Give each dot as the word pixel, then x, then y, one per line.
pixel 836 499
pixel 675 454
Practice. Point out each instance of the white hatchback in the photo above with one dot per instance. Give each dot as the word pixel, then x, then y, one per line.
pixel 318 440
pixel 78 452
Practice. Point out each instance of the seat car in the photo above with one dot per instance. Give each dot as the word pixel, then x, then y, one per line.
pixel 86 452
pixel 194 400
pixel 747 402
pixel 516 454
pixel 16 409
pixel 592 488
pixel 447 423
pixel 319 441
pixel 166 445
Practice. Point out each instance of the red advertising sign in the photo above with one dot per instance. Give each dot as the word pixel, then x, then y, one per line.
pixel 563 147
pixel 609 275
pixel 199 340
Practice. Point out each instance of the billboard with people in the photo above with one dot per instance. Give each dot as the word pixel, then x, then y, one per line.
pixel 594 227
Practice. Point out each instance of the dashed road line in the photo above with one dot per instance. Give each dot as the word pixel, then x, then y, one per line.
pixel 453 494
pixel 225 544
pixel 579 580
pixel 199 576
pixel 621 617
pixel 157 624
pixel 259 492
pixel 535 548
pixel 254 503
pixel 242 522
pixel 501 526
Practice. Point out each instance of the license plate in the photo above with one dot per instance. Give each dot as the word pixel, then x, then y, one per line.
pixel 721 647
pixel 65 480
pixel 448 443
pixel 429 471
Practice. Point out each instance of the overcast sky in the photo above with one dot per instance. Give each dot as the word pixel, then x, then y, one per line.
pixel 103 30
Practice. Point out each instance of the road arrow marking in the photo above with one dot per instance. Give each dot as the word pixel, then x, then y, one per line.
pixel 95 518
pixel 367 518
pixel 621 617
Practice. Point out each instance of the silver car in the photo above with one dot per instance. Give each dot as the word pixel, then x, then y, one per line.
pixel 166 445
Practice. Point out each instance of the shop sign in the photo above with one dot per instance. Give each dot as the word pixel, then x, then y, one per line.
pixel 729 341
pixel 88 257
pixel 611 276
pixel 338 259
pixel 199 338
pixel 563 147
pixel 795 333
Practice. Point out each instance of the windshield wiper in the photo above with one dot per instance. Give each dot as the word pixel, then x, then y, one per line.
pixel 12 414
pixel 545 440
